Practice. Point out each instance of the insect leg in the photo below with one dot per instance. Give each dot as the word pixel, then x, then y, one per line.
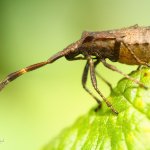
pixel 135 57
pixel 98 75
pixel 109 85
pixel 84 80
pixel 127 76
pixel 139 67
pixel 94 82
pixel 76 58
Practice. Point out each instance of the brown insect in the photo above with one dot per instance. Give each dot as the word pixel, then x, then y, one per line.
pixel 127 45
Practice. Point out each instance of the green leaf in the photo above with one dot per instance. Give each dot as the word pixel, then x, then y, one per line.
pixel 103 130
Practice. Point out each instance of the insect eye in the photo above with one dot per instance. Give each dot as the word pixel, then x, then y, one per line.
pixel 88 39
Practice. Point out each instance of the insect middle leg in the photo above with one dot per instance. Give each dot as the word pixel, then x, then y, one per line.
pixel 94 83
pixel 98 75
pixel 103 79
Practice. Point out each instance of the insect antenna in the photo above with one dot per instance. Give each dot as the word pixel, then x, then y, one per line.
pixel 20 72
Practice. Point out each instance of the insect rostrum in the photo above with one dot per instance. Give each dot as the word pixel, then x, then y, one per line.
pixel 129 45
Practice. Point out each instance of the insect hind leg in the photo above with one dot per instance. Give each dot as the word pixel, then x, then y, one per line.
pixel 113 68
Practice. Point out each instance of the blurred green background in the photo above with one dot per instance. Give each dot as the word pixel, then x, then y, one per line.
pixel 37 106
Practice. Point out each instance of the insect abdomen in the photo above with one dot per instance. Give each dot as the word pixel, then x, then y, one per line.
pixel 137 40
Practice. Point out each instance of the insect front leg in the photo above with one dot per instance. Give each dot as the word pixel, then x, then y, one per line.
pixel 76 58
pixel 125 75
pixel 84 80
pixel 94 83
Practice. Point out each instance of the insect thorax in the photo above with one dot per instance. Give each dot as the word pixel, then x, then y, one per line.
pixel 100 49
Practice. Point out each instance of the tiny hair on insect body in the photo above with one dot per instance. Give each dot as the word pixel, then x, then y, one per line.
pixel 129 46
